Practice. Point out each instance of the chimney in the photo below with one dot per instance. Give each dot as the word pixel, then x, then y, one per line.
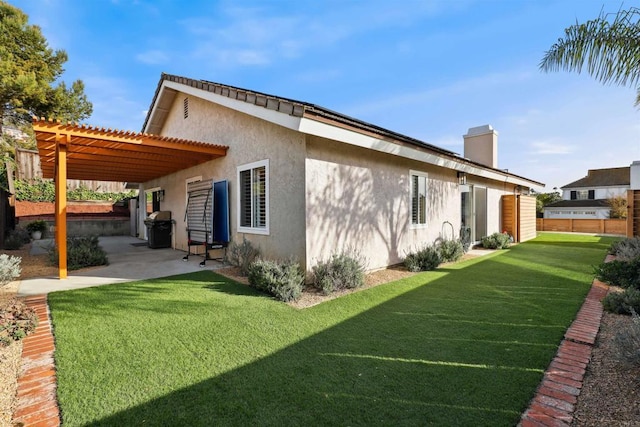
pixel 481 145
pixel 634 173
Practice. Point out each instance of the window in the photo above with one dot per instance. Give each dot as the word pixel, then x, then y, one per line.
pixel 253 198
pixel 418 198
pixel 583 195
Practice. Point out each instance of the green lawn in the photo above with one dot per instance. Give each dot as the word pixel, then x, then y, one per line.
pixel 464 345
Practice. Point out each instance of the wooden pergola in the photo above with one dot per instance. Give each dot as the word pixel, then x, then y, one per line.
pixel 73 151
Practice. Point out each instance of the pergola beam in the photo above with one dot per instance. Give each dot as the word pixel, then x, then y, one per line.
pixel 61 203
pixel 71 151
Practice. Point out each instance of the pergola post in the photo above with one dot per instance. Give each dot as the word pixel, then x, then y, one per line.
pixel 61 203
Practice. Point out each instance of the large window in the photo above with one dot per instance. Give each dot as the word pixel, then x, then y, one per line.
pixel 418 198
pixel 253 198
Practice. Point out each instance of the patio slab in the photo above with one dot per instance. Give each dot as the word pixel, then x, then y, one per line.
pixel 128 261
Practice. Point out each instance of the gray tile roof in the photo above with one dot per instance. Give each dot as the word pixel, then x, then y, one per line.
pixel 299 109
pixel 603 178
pixel 597 203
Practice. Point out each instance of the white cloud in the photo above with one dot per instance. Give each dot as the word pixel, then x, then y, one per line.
pixel 153 57
pixel 551 147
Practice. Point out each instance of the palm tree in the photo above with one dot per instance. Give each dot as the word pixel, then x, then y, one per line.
pixel 609 47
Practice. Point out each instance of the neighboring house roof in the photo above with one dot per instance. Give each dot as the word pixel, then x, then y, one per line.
pixel 609 177
pixel 597 203
pixel 298 110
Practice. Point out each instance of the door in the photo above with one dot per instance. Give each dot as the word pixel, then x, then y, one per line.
pixel 480 211
pixel 466 218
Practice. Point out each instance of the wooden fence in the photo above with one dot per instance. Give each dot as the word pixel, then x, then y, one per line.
pixel 599 226
pixel 28 169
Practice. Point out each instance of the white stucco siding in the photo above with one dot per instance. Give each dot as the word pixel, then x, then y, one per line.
pixel 358 198
pixel 249 140
pixel 576 213
pixel 599 192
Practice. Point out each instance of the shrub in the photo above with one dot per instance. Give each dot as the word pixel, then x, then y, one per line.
pixel 283 280
pixel 622 302
pixel 627 342
pixel 450 250
pixel 9 268
pixel 626 249
pixel 424 259
pixel 625 274
pixel 242 255
pixel 16 238
pixel 82 251
pixel 496 241
pixel 37 225
pixel 344 270
pixel 16 321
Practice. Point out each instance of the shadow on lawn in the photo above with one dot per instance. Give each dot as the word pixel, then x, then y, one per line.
pixel 444 352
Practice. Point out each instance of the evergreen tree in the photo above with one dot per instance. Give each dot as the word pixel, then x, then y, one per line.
pixel 29 75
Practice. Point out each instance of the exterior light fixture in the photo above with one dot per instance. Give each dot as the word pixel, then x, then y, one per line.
pixel 462 178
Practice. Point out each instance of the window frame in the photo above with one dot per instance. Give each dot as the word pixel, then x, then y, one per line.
pixel 425 176
pixel 250 167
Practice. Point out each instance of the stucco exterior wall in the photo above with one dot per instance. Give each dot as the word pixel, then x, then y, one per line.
pixel 249 140
pixel 358 198
pixel 577 213
pixel 599 193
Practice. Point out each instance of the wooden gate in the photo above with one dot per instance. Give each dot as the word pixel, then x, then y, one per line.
pixel 519 216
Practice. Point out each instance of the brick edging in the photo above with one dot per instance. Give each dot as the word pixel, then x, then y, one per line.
pixel 36 402
pixel 556 396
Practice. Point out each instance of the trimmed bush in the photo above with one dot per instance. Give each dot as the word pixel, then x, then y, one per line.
pixel 16 321
pixel 82 251
pixel 625 274
pixel 622 302
pixel 283 280
pixel 496 241
pixel 9 268
pixel 342 271
pixel 626 249
pixel 450 250
pixel 425 259
pixel 242 255
pixel 627 342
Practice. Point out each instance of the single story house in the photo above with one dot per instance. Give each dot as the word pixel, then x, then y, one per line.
pixel 306 182
pixel 587 198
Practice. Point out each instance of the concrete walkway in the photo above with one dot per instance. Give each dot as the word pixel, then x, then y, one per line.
pixel 128 261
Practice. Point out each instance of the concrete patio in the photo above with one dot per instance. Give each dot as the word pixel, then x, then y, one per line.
pixel 128 261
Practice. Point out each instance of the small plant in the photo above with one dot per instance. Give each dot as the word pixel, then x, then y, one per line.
pixel 37 225
pixel 9 268
pixel 622 302
pixel 16 321
pixel 450 250
pixel 625 274
pixel 425 259
pixel 626 249
pixel 16 238
pixel 496 241
pixel 627 342
pixel 242 255
pixel 344 270
pixel 283 280
pixel 82 251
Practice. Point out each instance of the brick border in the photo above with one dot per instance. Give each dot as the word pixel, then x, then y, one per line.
pixel 553 404
pixel 36 403
pixel 557 394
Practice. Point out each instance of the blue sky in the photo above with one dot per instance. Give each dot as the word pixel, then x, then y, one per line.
pixel 429 69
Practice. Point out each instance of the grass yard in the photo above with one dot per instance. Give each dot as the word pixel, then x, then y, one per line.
pixel 464 345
